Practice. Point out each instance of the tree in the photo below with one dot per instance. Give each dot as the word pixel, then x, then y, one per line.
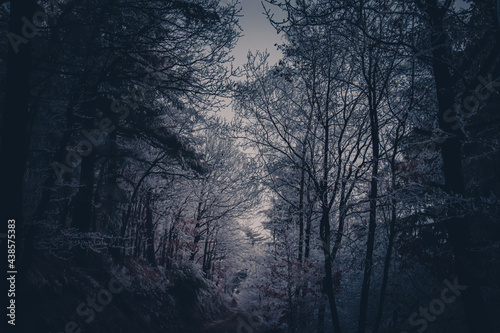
pixel 445 72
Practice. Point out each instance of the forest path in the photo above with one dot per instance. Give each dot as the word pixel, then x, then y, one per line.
pixel 227 325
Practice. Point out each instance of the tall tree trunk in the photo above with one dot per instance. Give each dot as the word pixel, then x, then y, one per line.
pixel 451 152
pixel 150 233
pixel 307 250
pixel 205 252
pixel 325 231
pixel 301 204
pixel 301 234
pixel 82 217
pixel 14 142
pixel 321 314
pixel 387 260
pixel 198 232
pixel 138 231
pixel 59 156
pixel 374 132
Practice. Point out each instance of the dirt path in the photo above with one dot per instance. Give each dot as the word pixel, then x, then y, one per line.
pixel 232 324
pixel 228 325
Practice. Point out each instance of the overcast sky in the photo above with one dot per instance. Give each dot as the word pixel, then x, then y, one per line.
pixel 258 34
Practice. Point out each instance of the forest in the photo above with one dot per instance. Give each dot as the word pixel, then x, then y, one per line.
pixel 150 185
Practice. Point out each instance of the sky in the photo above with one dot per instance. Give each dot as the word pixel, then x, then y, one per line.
pixel 257 34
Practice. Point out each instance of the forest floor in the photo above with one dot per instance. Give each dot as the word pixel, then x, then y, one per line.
pixel 226 325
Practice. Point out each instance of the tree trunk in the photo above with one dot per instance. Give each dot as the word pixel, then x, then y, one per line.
pixel 197 237
pixel 387 260
pixel 14 142
pixel 374 132
pixel 150 233
pixel 451 152
pixel 301 235
pixel 324 228
pixel 15 119
pixel 82 216
pixel 321 315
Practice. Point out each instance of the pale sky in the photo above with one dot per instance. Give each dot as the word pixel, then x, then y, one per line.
pixel 258 34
